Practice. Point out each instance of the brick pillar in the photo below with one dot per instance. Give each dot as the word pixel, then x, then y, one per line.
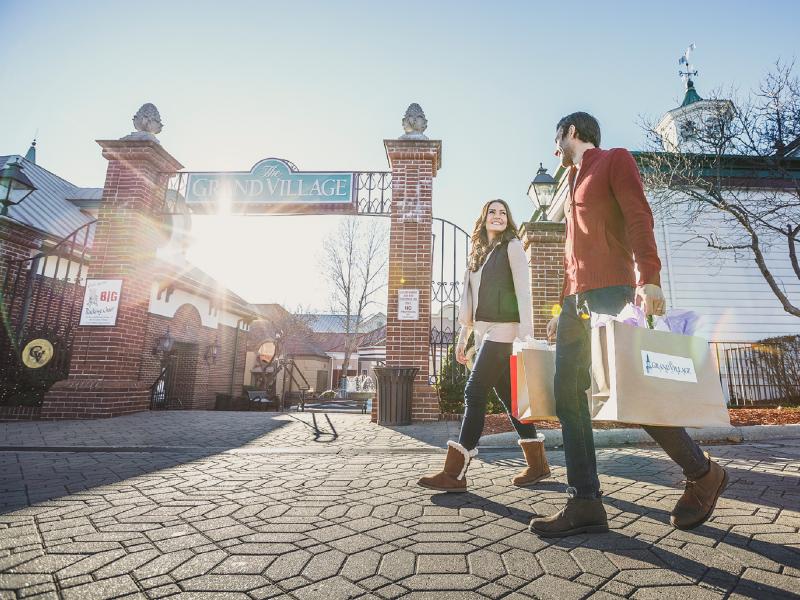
pixel 105 378
pixel 544 244
pixel 414 164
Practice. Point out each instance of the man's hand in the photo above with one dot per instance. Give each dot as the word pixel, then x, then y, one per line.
pixel 651 299
pixel 552 329
pixel 461 355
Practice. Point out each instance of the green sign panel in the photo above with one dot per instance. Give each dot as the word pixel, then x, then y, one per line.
pixel 270 182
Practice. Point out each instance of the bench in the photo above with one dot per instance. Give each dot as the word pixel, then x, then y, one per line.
pixel 341 399
pixel 260 396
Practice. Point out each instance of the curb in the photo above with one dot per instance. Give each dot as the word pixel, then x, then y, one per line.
pixel 610 438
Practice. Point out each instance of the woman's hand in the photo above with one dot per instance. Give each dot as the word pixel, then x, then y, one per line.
pixel 552 329
pixel 461 355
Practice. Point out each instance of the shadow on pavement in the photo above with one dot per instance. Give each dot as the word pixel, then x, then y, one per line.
pixel 31 474
pixel 640 464
pixel 470 500
pixel 318 432
pixel 649 554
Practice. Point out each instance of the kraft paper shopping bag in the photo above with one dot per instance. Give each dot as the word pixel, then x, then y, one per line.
pixel 653 377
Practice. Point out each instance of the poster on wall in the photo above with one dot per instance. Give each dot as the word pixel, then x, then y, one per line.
pixel 101 302
pixel 407 305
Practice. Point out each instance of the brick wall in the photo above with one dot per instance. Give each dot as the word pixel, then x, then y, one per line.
pixel 19 413
pixel 106 362
pixel 414 164
pixel 210 378
pixel 229 364
pixel 16 243
pixel 544 243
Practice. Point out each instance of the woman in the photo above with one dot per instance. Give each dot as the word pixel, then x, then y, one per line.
pixel 496 305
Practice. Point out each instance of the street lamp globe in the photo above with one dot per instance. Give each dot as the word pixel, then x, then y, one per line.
pixel 14 186
pixel 544 188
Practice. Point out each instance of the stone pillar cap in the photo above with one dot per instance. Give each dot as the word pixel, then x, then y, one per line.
pixel 140 149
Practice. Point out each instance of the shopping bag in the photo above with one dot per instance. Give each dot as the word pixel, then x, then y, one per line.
pixel 651 377
pixel 533 366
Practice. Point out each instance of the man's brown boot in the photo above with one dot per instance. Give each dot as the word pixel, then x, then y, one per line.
pixel 580 515
pixel 536 460
pixel 453 478
pixel 699 497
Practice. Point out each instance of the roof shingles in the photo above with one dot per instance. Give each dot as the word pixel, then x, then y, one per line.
pixel 48 209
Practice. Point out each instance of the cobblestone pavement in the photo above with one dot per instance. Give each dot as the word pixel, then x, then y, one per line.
pixel 233 505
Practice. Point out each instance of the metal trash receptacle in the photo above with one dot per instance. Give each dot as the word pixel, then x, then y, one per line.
pixel 395 391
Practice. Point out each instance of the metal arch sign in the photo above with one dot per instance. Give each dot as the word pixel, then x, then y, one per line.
pixel 271 183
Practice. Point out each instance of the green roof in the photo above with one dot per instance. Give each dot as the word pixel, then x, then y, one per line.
pixel 691 94
pixel 30 155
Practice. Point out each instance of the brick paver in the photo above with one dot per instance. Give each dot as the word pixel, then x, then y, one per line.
pixel 237 505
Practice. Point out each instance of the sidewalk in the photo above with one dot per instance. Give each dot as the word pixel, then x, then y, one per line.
pixel 248 506
pixel 252 430
pixel 609 438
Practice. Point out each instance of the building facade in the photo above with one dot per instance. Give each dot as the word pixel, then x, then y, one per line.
pixel 193 330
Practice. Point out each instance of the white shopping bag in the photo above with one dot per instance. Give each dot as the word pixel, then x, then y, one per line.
pixel 533 367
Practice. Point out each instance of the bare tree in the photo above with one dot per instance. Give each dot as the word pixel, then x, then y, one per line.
pixel 355 261
pixel 291 328
pixel 730 180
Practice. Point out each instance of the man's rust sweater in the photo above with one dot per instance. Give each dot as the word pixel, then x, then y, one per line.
pixel 609 225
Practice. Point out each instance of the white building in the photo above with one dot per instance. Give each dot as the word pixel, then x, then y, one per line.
pixel 729 293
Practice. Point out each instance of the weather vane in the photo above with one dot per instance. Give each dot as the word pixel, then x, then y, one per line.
pixel 683 61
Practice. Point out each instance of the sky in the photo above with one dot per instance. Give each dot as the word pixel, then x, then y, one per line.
pixel 322 84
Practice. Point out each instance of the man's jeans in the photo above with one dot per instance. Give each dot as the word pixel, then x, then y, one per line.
pixel 492 370
pixel 573 363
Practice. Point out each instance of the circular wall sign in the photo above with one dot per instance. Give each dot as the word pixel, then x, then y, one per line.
pixel 37 353
pixel 267 350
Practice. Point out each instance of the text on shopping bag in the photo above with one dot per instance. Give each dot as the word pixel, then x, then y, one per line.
pixel 668 366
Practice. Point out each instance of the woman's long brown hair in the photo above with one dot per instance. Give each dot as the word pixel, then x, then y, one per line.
pixel 480 239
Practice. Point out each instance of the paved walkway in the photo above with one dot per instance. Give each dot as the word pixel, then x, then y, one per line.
pixel 251 505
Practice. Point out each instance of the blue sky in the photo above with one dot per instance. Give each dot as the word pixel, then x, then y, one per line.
pixel 323 83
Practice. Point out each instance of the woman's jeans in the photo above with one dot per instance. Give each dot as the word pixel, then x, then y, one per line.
pixel 573 363
pixel 492 370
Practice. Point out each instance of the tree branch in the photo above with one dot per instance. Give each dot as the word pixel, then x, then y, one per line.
pixel 791 234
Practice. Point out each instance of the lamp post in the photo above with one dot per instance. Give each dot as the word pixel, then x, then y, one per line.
pixel 14 186
pixel 544 188
pixel 212 351
pixel 164 343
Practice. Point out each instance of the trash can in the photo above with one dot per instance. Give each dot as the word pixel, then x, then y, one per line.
pixel 395 390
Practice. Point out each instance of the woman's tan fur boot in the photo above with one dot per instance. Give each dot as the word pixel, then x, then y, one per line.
pixel 537 467
pixel 453 478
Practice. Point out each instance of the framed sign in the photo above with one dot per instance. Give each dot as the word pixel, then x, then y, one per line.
pixel 272 181
pixel 407 305
pixel 101 302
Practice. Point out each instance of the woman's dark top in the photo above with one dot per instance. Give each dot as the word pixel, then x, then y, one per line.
pixel 497 299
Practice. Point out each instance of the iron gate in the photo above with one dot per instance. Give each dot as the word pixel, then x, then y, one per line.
pixel 40 305
pixel 450 251
pixel 162 392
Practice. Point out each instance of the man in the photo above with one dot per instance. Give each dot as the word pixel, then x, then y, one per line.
pixel 609 233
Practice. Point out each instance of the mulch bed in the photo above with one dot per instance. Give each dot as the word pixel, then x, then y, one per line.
pixel 739 417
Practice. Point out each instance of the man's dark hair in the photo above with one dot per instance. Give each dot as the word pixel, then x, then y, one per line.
pixel 586 127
